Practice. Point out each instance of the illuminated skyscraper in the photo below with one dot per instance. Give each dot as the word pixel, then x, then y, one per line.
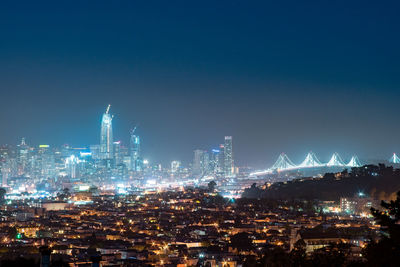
pixel 5 172
pixel 215 161
pixel 23 157
pixel 117 152
pixel 201 163
pixel 5 166
pixel 106 136
pixel 136 160
pixel 71 164
pixel 175 165
pixel 44 163
pixel 197 162
pixel 95 150
pixel 228 157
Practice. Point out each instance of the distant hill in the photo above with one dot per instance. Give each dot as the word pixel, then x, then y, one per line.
pixel 378 181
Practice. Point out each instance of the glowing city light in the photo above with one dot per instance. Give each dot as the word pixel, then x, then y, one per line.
pixel 311 160
pixel 283 163
pixel 354 162
pixel 335 160
pixel 394 159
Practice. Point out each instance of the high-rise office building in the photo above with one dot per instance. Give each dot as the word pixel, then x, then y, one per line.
pixel 44 163
pixel 228 157
pixel 5 172
pixel 197 162
pixel 71 165
pixel 215 161
pixel 201 163
pixel 23 157
pixel 221 159
pixel 95 150
pixel 126 160
pixel 175 165
pixel 106 135
pixel 118 157
pixel 136 160
pixel 5 166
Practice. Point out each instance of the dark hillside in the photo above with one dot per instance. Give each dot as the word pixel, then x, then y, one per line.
pixel 378 181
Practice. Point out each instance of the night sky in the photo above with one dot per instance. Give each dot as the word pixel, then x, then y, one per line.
pixel 289 77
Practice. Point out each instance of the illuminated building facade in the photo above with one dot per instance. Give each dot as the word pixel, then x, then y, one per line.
pixel 45 162
pixel 215 161
pixel 117 153
pixel 360 204
pixel 23 158
pixel 175 165
pixel 201 163
pixel 71 164
pixel 95 151
pixel 106 135
pixel 228 157
pixel 136 161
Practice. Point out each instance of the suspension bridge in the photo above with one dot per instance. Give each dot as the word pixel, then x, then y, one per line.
pixel 283 163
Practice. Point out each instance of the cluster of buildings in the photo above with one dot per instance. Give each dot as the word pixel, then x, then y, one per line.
pixel 106 205
pixel 217 162
pixel 359 204
pixel 112 153
pixel 187 227
pixel 26 168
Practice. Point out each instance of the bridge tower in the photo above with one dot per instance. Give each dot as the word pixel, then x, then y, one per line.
pixel 395 159
pixel 283 163
pixel 311 160
pixel 335 160
pixel 354 162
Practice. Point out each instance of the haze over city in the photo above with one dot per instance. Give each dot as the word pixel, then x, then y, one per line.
pixel 199 133
pixel 306 76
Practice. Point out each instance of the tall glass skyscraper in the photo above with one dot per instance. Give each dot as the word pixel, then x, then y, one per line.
pixel 215 164
pixel 228 157
pixel 136 161
pixel 23 158
pixel 117 153
pixel 106 135
pixel 201 163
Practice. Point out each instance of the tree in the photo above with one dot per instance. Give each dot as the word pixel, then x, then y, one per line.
pixel 19 262
pixel 276 257
pixel 332 255
pixel 386 251
pixel 64 195
pixel 298 254
pixel 94 190
pixel 250 261
pixel 211 186
pixel 242 241
pixel 12 232
pixel 2 194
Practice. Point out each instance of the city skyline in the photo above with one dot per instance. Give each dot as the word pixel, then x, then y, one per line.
pixel 181 133
pixel 290 78
pixel 107 146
